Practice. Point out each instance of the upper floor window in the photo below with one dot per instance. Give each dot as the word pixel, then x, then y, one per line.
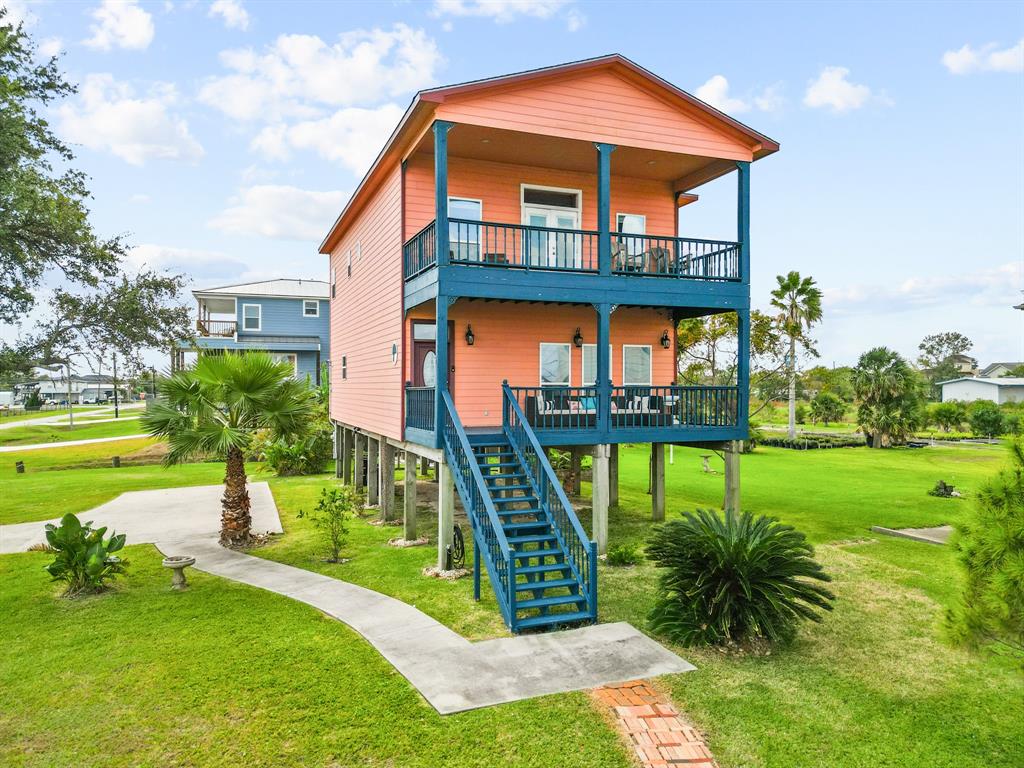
pixel 636 364
pixel 310 308
pixel 252 317
pixel 464 239
pixel 630 224
pixel 334 283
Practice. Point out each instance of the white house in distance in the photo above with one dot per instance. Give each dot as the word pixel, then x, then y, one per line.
pixel 968 389
pixel 995 370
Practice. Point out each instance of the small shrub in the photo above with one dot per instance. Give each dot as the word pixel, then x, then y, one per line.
pixel 262 439
pixel 800 414
pixel 990 546
pixel 986 419
pixel 623 554
pixel 330 516
pixel 34 401
pixel 305 456
pixel 734 578
pixel 84 560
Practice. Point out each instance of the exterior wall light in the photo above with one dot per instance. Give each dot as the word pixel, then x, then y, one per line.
pixel 577 338
pixel 470 338
pixel 665 341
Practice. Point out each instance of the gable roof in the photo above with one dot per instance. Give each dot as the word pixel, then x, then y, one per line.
pixel 417 118
pixel 992 366
pixel 285 287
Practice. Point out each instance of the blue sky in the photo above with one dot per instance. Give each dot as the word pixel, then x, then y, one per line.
pixel 225 136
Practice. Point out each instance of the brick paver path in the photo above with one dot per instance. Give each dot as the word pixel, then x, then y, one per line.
pixel 653 727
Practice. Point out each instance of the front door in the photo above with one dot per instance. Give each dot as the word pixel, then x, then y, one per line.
pixel 548 248
pixel 424 354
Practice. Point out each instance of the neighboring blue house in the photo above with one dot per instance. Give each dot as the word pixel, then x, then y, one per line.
pixel 290 319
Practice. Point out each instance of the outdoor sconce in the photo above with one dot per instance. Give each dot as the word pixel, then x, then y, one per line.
pixel 470 338
pixel 665 341
pixel 577 338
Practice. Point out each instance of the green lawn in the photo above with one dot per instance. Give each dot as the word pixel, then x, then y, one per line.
pixel 875 684
pixel 56 433
pixel 6 418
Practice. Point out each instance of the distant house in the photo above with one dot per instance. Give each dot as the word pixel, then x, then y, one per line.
pixel 969 389
pixel 290 319
pixel 995 370
pixel 966 366
pixel 54 388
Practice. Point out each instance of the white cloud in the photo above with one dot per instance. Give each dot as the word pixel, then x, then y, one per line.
pixel 716 93
pixel 203 265
pixel 232 12
pixel 833 89
pixel 502 11
pixel 987 58
pixel 575 20
pixel 120 24
pixel 109 116
pixel 995 286
pixel 50 46
pixel 280 212
pixel 18 13
pixel 351 137
pixel 300 74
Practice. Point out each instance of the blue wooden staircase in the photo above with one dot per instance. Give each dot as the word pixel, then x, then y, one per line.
pixel 540 563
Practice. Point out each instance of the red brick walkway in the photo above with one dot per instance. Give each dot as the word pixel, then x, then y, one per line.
pixel 653 727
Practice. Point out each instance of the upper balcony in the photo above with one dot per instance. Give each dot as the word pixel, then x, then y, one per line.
pixel 216 328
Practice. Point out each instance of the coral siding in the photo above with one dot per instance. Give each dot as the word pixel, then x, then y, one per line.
pixel 498 185
pixel 366 316
pixel 507 347
pixel 599 106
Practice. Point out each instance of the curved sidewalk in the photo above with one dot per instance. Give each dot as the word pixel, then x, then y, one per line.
pixel 451 673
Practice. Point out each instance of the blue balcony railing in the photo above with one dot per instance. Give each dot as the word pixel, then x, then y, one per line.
pixel 517 246
pixel 419 408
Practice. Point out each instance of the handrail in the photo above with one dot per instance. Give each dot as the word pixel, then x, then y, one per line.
pixel 498 553
pixel 419 252
pixel 585 572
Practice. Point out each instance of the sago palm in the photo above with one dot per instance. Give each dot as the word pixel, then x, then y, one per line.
pixel 798 300
pixel 215 408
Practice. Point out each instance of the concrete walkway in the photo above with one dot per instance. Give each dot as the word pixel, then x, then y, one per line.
pixel 938 535
pixel 66 443
pixel 451 673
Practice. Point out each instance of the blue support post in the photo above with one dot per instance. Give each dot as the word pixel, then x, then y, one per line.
pixel 743 315
pixel 441 379
pixel 604 374
pixel 604 183
pixel 743 218
pixel 441 128
pixel 476 570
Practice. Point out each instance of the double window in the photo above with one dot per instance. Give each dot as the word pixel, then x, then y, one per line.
pixel 310 308
pixel 252 317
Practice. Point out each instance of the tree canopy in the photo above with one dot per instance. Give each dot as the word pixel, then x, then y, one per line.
pixel 891 398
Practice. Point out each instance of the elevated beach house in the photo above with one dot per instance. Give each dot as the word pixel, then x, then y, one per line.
pixel 287 318
pixel 507 279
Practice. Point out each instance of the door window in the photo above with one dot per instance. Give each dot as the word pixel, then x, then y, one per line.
pixel 554 364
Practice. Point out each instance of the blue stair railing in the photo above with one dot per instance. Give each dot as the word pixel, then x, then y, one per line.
pixel 488 536
pixel 580 550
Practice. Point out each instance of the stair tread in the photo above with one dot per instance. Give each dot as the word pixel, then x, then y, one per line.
pixel 553 618
pixel 514 499
pixel 532 539
pixel 528 554
pixel 502 513
pixel 530 586
pixel 525 525
pixel 543 568
pixel 547 602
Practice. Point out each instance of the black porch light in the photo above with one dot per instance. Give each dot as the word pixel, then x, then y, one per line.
pixel 665 341
pixel 470 338
pixel 577 338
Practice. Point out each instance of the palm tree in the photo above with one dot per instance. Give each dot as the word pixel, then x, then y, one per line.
pixel 215 408
pixel 890 395
pixel 798 300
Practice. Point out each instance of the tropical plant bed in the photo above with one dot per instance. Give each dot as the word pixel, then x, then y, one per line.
pixel 810 442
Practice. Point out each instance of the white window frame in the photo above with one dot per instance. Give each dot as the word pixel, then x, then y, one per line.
pixel 467 200
pixel 522 201
pixel 259 318
pixel 540 364
pixel 650 366
pixel 315 303
pixel 627 213
pixel 583 366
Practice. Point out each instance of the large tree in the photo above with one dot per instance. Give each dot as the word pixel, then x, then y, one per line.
pixel 44 219
pixel 891 397
pixel 96 307
pixel 216 408
pixel 798 300
pixel 936 358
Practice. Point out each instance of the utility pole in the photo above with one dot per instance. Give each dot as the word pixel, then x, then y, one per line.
pixel 116 412
pixel 71 407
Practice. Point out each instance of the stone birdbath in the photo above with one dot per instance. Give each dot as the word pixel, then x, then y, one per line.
pixel 178 564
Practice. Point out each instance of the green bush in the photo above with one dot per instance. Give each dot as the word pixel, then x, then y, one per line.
pixel 800 414
pixel 84 560
pixel 262 439
pixel 986 419
pixel 948 416
pixel 330 516
pixel 623 554
pixel 734 578
pixel 990 546
pixel 305 455
pixel 827 407
pixel 34 401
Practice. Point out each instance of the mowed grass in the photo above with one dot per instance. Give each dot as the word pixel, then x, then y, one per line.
pixel 55 433
pixel 228 675
pixel 874 684
pixel 6 418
